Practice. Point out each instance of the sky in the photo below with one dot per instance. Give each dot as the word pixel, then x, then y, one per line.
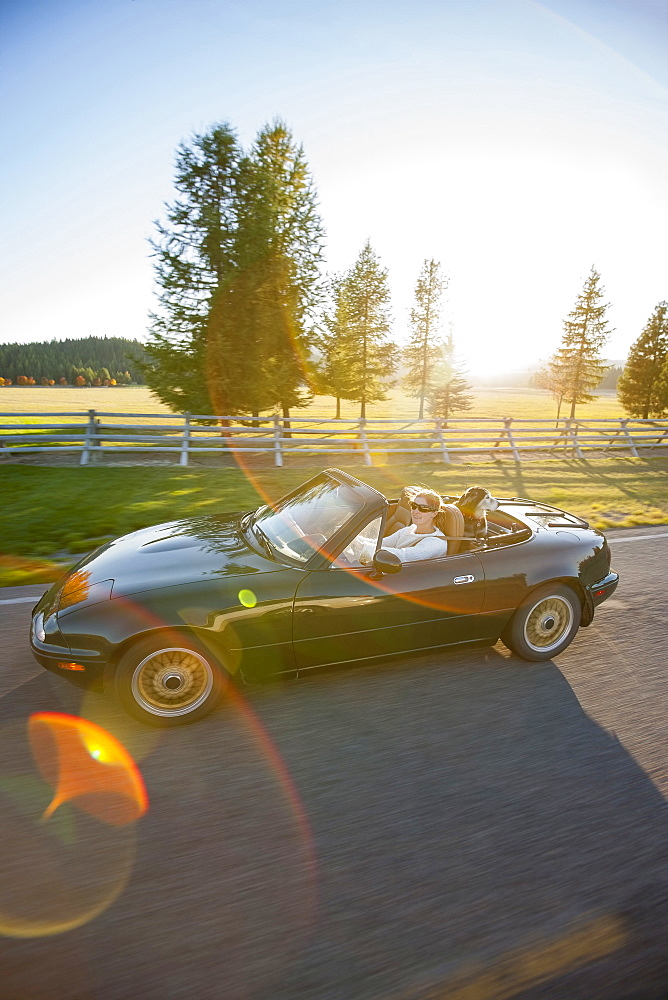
pixel 518 143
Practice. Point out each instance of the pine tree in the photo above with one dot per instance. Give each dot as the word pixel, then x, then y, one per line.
pixel 237 265
pixel 578 365
pixel 425 350
pixel 365 310
pixel 334 371
pixel 194 252
pixel 450 392
pixel 640 387
pixel 662 388
pixel 269 305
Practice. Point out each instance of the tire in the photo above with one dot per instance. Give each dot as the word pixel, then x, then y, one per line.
pixel 169 681
pixel 544 624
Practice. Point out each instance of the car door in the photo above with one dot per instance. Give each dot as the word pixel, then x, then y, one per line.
pixel 344 614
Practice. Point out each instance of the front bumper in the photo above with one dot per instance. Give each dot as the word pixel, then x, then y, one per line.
pixel 57 662
pixel 52 651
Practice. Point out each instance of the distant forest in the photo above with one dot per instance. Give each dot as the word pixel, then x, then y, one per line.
pixel 90 358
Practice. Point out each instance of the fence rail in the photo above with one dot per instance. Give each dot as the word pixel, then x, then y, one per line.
pixel 96 434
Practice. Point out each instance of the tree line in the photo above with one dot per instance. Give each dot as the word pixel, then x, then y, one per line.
pixel 67 362
pixel 246 322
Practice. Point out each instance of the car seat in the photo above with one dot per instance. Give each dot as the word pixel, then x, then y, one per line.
pixel 454 527
pixel 400 516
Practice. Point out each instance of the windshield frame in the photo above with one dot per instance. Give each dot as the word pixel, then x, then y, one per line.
pixel 372 503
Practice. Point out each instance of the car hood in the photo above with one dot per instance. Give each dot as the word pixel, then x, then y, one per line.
pixel 177 552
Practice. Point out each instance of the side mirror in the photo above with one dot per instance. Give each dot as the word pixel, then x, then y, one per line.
pixel 385 562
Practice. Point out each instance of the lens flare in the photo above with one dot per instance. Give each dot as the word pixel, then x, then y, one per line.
pixel 68 836
pixel 247 598
pixel 87 766
pixel 139 740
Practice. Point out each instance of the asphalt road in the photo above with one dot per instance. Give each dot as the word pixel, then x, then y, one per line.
pixel 460 825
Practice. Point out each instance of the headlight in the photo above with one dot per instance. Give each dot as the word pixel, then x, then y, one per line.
pixel 38 627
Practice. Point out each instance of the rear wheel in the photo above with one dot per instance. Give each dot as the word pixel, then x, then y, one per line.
pixel 544 624
pixel 169 681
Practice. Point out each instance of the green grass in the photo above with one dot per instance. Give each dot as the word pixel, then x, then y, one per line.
pixel 50 515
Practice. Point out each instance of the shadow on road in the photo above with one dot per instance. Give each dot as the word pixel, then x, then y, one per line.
pixel 475 834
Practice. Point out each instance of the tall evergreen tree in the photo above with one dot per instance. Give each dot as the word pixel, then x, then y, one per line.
pixel 365 311
pixel 269 305
pixel 334 370
pixel 237 266
pixel 662 388
pixel 577 365
pixel 194 251
pixel 640 387
pixel 425 349
pixel 450 392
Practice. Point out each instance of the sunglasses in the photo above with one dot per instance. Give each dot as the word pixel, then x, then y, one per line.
pixel 421 507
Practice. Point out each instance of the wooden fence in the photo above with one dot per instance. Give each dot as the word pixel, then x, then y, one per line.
pixel 94 434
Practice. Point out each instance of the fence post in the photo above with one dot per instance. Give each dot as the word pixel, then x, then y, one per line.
pixel 573 435
pixel 441 439
pixel 278 454
pixel 507 421
pixel 365 443
pixel 90 430
pixel 659 441
pixel 185 443
pixel 634 450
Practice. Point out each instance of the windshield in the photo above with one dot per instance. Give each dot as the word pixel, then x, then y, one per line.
pixel 302 525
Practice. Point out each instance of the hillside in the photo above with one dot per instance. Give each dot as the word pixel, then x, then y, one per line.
pixel 56 359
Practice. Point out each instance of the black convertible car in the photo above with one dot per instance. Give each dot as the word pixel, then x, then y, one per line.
pixel 166 616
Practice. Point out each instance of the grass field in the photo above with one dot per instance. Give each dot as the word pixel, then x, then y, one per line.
pixel 518 403
pixel 50 515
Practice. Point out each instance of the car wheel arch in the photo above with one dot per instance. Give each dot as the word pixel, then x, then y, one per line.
pixel 171 634
pixel 564 581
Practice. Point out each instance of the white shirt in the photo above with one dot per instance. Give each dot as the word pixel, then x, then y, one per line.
pixel 410 546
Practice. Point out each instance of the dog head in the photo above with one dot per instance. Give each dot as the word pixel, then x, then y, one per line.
pixel 476 501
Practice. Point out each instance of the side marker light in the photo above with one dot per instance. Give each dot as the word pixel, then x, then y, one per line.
pixel 71 666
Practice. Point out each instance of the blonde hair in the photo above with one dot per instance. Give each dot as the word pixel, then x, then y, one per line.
pixel 432 497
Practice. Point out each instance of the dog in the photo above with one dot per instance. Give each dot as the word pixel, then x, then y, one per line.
pixel 474 504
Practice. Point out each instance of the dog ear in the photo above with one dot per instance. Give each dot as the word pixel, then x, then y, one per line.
pixel 472 497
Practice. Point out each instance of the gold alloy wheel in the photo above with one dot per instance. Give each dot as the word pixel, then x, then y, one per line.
pixel 173 681
pixel 548 622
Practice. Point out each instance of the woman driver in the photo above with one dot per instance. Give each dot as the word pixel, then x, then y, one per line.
pixel 423 538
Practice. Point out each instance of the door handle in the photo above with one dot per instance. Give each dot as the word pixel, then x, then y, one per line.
pixel 464 579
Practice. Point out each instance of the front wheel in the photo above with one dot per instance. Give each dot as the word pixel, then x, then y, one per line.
pixel 544 624
pixel 168 681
